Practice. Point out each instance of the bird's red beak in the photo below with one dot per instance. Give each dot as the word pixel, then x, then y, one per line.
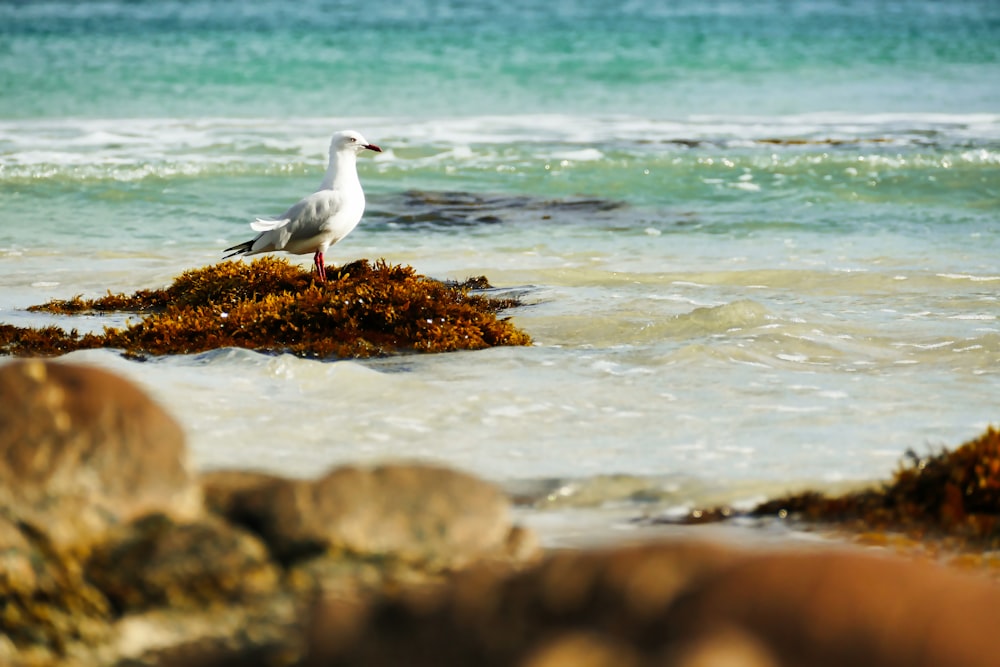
pixel 373 147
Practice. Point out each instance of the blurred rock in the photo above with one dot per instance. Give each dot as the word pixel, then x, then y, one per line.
pixel 108 557
pixel 48 610
pixel 580 649
pixel 415 513
pixel 82 450
pixel 18 560
pixel 841 608
pixel 680 605
pixel 723 647
pixel 227 491
pixel 494 617
pixel 155 562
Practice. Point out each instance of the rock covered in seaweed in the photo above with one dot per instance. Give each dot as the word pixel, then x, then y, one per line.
pixel 156 561
pixel 82 454
pixel 270 305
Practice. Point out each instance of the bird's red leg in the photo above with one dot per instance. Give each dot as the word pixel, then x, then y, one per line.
pixel 320 267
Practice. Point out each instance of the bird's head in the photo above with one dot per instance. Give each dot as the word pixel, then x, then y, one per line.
pixel 349 140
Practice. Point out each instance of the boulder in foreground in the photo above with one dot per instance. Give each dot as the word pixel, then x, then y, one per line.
pixel 83 450
pixel 109 553
pixel 678 605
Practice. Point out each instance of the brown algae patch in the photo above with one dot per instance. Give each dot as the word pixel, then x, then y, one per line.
pixel 366 309
pixel 944 503
pixel 951 493
pixel 943 508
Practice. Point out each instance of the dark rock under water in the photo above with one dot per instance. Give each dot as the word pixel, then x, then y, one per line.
pixel 416 208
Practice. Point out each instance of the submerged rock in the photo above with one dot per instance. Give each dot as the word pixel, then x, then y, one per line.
pixel 448 209
pixel 270 305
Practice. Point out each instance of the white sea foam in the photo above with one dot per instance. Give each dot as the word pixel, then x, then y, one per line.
pixel 309 135
pixel 966 276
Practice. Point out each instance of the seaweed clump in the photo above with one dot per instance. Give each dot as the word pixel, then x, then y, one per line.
pixel 952 493
pixel 269 305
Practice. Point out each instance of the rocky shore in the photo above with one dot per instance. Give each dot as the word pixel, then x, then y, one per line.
pixel 116 552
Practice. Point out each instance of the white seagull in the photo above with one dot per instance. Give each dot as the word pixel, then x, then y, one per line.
pixel 323 218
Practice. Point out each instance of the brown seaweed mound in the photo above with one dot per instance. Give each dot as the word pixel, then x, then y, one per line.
pixel 272 306
pixel 952 493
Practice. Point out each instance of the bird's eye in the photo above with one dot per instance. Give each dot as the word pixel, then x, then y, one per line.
pixel 353 139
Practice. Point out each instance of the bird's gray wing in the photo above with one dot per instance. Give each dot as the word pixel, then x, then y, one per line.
pixel 301 214
pixel 267 224
pixel 309 216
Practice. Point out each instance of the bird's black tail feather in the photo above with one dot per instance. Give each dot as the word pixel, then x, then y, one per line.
pixel 238 249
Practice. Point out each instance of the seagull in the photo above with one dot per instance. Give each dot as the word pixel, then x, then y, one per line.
pixel 323 218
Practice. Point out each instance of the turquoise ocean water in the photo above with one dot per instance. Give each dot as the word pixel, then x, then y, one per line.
pixel 758 242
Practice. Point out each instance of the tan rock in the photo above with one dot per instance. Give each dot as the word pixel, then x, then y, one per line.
pixel 411 512
pixel 82 450
pixel 415 512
